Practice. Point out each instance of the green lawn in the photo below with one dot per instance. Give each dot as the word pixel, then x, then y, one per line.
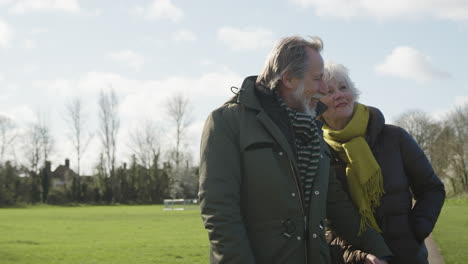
pixel 451 232
pixel 101 234
pixel 147 234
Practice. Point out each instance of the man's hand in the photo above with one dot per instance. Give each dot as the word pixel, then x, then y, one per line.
pixel 371 259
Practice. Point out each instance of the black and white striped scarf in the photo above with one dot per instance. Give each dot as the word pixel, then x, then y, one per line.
pixel 307 145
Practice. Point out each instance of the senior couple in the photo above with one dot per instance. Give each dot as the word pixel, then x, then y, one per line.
pixel 295 170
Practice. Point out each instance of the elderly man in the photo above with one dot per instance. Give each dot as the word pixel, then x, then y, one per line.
pixel 265 185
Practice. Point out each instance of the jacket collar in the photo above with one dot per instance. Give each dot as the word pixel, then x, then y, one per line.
pixel 375 125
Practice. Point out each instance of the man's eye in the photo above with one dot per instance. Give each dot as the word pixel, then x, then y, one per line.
pixel 343 87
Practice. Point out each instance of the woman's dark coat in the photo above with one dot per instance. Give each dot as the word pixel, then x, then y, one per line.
pixel 407 175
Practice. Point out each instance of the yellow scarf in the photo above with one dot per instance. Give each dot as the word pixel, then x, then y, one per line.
pixel 365 181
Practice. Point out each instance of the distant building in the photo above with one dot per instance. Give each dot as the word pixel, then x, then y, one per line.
pixel 63 176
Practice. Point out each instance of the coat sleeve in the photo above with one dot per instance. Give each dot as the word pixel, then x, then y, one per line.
pixel 220 180
pixel 428 190
pixel 342 253
pixel 345 220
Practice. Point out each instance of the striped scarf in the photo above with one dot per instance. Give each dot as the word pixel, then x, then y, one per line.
pixel 307 144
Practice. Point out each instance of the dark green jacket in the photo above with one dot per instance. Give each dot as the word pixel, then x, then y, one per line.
pixel 250 194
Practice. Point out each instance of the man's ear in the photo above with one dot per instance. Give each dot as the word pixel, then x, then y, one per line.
pixel 289 82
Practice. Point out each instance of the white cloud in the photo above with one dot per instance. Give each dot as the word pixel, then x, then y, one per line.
pixel 21 113
pixel 27 6
pixel 30 68
pixel 5 2
pixel 454 9
pixel 38 31
pixel 161 10
pixel 245 39
pixel 29 44
pixel 206 62
pixel 6 35
pixel 184 36
pixel 409 63
pixel 129 58
pixel 141 97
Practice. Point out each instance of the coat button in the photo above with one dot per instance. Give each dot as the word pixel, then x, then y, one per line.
pixel 298 238
pixel 293 194
pixel 317 192
pixel 314 235
pixel 321 156
pixel 280 153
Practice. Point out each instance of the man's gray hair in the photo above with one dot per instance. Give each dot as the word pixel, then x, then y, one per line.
pixel 289 55
pixel 340 73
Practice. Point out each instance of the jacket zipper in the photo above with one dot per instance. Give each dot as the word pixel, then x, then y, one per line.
pixel 303 210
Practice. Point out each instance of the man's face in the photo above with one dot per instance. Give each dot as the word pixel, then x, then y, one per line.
pixel 312 87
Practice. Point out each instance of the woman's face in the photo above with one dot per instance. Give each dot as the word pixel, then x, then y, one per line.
pixel 340 102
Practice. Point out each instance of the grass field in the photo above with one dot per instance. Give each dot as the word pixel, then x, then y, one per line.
pixel 101 234
pixel 147 234
pixel 451 232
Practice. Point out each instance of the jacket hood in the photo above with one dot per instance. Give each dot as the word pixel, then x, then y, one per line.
pixel 247 96
pixel 375 126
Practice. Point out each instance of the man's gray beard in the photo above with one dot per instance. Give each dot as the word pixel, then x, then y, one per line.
pixel 302 99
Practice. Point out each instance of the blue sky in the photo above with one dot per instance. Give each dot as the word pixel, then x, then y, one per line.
pixel 402 55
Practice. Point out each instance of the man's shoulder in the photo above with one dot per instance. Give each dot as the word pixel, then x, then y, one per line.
pixel 228 114
pixel 227 108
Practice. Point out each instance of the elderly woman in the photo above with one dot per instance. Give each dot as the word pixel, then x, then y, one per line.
pixel 384 169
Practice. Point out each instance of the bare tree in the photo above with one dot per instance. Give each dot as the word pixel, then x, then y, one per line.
pixel 43 127
pixel 109 124
pixel 145 144
pixel 7 135
pixel 32 148
pixel 178 108
pixel 38 143
pixel 458 121
pixel 78 136
pixel 420 126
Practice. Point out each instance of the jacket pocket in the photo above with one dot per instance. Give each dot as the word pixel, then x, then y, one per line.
pixel 400 238
pixel 271 246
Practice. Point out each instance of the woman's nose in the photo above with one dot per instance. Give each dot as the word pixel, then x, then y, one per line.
pixel 337 94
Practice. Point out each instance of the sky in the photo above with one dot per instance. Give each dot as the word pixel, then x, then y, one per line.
pixel 402 54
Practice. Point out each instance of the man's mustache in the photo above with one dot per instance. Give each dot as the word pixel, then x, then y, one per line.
pixel 317 97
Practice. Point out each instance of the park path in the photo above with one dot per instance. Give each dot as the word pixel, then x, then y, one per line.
pixel 434 252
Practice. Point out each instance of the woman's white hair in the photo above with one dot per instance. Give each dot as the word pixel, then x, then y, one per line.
pixel 340 73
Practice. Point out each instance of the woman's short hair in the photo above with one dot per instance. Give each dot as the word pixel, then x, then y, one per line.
pixel 340 73
pixel 289 55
